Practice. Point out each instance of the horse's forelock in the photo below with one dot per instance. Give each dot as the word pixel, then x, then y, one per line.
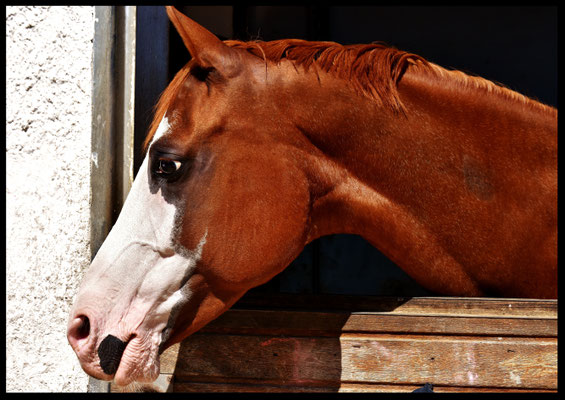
pixel 164 103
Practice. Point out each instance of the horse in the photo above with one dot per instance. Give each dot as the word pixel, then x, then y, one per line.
pixel 258 148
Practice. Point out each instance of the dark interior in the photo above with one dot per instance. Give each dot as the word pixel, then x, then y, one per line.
pixel 515 46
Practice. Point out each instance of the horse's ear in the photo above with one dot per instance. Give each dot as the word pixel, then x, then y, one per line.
pixel 203 45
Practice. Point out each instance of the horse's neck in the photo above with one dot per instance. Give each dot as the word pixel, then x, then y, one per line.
pixel 390 176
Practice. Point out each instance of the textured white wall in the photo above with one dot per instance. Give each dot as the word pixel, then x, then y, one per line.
pixel 48 128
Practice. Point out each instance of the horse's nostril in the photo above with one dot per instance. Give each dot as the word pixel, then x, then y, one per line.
pixel 79 331
pixel 83 330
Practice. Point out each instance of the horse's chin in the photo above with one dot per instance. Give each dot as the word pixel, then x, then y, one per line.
pixel 138 364
pixel 123 377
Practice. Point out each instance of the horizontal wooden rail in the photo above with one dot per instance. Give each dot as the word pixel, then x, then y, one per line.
pixel 455 344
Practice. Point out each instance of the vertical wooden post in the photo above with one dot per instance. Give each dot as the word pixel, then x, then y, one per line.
pixel 113 94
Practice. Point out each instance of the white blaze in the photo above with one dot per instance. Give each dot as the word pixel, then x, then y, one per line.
pixel 162 129
pixel 134 282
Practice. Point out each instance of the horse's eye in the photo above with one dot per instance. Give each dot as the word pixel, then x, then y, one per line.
pixel 167 166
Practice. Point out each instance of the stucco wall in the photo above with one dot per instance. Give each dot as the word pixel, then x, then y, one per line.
pixel 48 128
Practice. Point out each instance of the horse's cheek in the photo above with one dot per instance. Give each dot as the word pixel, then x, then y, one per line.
pixel 249 241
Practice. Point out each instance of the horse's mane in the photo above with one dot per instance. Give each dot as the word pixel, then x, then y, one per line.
pixel 372 69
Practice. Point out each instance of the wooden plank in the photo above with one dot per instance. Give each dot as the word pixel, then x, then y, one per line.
pixel 480 326
pixel 224 387
pixel 404 305
pixel 299 323
pixel 467 345
pixel 479 307
pixel 451 361
pixel 103 141
pixel 126 18
pixel 112 131
pixel 263 359
pixel 323 362
pixel 354 387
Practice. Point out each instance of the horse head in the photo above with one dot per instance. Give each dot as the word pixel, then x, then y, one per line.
pixel 258 148
pixel 219 205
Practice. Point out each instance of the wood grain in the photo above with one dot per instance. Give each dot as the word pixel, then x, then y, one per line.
pixel 325 361
pixel 455 344
pixel 330 324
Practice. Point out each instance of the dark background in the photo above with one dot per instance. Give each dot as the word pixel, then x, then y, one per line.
pixel 515 46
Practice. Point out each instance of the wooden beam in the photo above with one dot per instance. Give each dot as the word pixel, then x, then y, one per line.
pixel 457 344
pixel 112 124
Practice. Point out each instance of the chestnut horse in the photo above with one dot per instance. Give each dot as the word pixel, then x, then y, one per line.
pixel 258 148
